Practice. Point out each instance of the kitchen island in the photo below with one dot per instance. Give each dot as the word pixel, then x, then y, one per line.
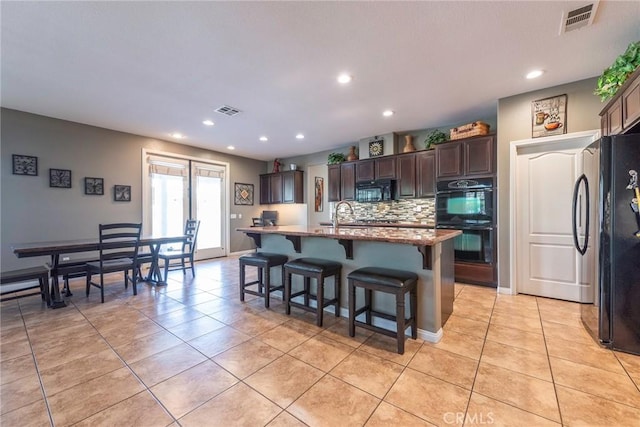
pixel 427 252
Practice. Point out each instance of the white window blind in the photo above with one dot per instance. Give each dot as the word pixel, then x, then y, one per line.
pixel 167 166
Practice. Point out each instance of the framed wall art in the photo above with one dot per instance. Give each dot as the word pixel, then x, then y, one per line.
pixel 59 178
pixel 376 148
pixel 94 186
pixel 25 165
pixel 122 193
pixel 549 116
pixel 243 194
pixel 319 191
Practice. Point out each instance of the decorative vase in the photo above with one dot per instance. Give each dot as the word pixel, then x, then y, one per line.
pixel 408 146
pixel 352 153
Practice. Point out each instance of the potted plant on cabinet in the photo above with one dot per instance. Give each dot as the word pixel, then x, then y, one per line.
pixel 335 158
pixel 434 137
pixel 614 77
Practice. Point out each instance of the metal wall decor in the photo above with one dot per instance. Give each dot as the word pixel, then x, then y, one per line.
pixel 94 186
pixel 243 194
pixel 376 147
pixel 25 165
pixel 122 193
pixel 59 178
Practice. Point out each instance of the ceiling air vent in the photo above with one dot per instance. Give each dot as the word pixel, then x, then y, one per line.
pixel 227 111
pixel 578 18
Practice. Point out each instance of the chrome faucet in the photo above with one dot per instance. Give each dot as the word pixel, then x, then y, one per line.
pixel 336 223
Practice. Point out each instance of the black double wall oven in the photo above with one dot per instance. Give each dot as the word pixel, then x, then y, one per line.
pixel 468 205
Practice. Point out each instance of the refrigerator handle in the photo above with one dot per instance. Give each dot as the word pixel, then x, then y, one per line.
pixel 576 190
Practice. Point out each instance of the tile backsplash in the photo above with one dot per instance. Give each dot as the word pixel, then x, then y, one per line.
pixel 410 210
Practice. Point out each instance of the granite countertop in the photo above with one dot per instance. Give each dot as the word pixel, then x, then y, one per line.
pixel 395 234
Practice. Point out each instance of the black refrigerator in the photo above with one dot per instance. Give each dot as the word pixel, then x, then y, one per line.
pixel 609 190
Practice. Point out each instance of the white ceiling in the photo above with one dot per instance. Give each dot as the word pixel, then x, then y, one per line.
pixel 153 68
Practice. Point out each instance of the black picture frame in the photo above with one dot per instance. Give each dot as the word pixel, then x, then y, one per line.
pixel 94 186
pixel 243 194
pixel 24 165
pixel 121 193
pixel 59 178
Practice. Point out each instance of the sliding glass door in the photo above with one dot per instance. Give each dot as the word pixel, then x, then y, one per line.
pixel 178 189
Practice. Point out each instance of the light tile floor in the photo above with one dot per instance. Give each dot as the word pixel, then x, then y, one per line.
pixel 192 354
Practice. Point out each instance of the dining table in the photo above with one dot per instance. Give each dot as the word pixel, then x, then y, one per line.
pixel 55 249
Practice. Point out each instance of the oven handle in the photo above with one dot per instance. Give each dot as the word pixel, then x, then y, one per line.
pixel 466 227
pixel 462 190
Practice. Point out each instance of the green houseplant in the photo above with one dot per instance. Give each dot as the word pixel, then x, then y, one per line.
pixel 434 137
pixel 615 76
pixel 335 158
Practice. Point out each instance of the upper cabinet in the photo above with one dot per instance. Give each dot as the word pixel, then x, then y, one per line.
pixel 466 157
pixel 372 169
pixel 622 112
pixel 426 173
pixel 348 180
pixel 333 184
pixel 282 187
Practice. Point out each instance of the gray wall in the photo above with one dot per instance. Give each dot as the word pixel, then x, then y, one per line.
pixel 30 211
pixel 514 121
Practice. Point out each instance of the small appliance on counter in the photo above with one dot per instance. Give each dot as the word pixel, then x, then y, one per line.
pixel 267 219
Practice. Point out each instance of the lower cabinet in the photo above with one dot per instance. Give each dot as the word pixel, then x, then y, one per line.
pixel 478 274
pixel 282 187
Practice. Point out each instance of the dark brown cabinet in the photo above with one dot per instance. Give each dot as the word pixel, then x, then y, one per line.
pixel 371 169
pixel 426 173
pixel 365 170
pixel 385 167
pixel 622 112
pixel 348 180
pixel 406 175
pixel 282 187
pixel 334 184
pixel 466 157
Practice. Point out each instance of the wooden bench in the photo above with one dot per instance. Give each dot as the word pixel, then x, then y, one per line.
pixel 34 273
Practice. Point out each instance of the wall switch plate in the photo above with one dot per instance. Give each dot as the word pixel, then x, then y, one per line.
pixel 239 216
pixel 233 216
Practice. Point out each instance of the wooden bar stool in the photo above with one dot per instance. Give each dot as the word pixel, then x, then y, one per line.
pixel 396 282
pixel 263 261
pixel 313 268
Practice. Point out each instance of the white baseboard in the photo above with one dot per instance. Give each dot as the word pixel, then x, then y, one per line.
pixel 248 251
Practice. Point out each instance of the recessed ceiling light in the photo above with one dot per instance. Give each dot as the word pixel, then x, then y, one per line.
pixel 344 78
pixel 299 136
pixel 535 73
pixel 387 113
pixel 230 147
pixel 178 135
pixel 264 138
pixel 207 123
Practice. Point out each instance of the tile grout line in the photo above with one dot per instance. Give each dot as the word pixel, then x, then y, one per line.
pixel 35 362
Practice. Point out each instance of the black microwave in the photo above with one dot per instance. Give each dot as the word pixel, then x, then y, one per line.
pixel 376 191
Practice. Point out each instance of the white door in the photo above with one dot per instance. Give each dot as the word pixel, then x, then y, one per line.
pixel 547 262
pixel 208 206
pixel 178 189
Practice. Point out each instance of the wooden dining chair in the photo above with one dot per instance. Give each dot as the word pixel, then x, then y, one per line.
pixel 119 244
pixel 177 260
